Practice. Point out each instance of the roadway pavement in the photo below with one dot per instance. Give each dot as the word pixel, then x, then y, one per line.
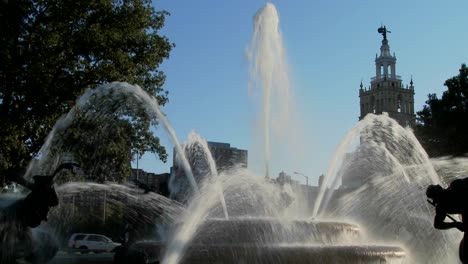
pixel 78 258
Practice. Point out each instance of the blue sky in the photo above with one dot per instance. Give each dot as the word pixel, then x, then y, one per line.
pixel 331 46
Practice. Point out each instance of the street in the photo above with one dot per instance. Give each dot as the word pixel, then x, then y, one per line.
pixel 69 258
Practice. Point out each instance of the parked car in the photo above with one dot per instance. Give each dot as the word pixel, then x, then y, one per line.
pixel 92 242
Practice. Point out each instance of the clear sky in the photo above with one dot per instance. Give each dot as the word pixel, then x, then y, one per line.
pixel 331 46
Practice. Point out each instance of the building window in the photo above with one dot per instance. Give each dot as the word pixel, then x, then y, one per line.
pixel 399 103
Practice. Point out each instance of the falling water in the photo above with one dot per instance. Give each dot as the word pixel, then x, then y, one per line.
pixel 194 142
pixel 140 208
pixel 450 168
pixel 383 182
pixel 114 93
pixel 332 177
pixel 397 143
pixel 269 76
pixel 197 212
pixel 245 194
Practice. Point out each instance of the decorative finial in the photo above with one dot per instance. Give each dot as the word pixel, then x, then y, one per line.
pixel 383 30
pixel 411 82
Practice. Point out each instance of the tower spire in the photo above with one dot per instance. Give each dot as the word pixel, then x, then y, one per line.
pixel 386 93
pixel 385 64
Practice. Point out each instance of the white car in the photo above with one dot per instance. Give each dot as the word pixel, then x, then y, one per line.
pixel 92 242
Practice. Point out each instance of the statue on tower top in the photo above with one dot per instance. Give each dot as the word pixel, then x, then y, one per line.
pixel 383 30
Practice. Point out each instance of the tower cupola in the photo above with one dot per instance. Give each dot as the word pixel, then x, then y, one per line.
pixel 386 92
pixel 385 64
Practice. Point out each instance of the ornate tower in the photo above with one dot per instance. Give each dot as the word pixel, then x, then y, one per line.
pixel 386 92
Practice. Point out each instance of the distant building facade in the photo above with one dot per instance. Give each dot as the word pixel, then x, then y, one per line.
pixel 387 92
pixel 283 178
pixel 148 181
pixel 224 155
pixel 227 157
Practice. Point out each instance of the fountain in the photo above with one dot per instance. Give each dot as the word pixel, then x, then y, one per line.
pixel 204 167
pixel 260 229
pixel 392 169
pixel 237 216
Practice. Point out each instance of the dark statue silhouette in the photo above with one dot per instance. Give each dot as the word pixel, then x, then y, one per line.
pixel 18 240
pixel 452 200
pixel 383 30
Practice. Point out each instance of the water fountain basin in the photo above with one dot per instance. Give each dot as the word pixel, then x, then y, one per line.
pixel 265 230
pixel 292 253
pixel 271 240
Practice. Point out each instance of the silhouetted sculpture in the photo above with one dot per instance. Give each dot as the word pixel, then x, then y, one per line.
pixel 383 30
pixel 452 200
pixel 17 240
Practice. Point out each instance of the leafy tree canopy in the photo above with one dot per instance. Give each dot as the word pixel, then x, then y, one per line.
pixel 52 50
pixel 443 126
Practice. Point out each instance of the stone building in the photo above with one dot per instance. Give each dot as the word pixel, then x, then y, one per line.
pixel 150 182
pixel 387 92
pixel 224 155
pixel 227 157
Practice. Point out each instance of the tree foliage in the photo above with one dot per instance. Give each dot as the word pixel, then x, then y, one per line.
pixel 52 50
pixel 443 126
pixel 105 143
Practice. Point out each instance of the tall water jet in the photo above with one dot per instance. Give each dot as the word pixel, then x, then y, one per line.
pixel 269 76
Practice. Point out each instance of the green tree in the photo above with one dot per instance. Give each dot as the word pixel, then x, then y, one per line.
pixel 52 50
pixel 442 123
pixel 103 142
